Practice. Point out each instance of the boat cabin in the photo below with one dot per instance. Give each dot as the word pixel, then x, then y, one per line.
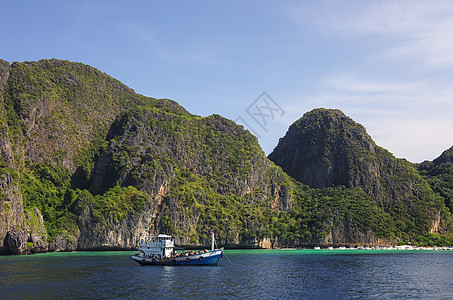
pixel 159 249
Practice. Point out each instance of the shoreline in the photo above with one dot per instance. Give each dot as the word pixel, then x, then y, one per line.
pixel 404 248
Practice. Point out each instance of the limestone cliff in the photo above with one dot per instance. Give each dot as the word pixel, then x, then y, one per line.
pixel 439 174
pixel 17 234
pixel 326 148
pixel 101 164
pixel 187 165
pixel 50 113
pixel 86 163
pixel 12 236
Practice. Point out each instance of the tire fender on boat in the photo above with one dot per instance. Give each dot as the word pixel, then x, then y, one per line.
pixel 154 260
pixel 174 261
pixel 143 260
pixel 201 258
pixel 188 259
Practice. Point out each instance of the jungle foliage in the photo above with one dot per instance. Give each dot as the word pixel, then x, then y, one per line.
pixel 64 119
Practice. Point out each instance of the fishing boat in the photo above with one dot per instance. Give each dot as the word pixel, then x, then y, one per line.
pixel 163 252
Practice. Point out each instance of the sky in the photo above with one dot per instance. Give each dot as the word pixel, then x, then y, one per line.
pixel 386 64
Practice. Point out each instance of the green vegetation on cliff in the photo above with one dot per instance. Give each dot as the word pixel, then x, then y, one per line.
pixel 58 112
pixel 439 174
pixel 47 188
pixel 326 148
pixel 118 202
pixel 103 164
pixel 210 169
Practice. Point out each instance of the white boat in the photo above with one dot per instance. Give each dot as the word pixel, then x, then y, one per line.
pixel 163 252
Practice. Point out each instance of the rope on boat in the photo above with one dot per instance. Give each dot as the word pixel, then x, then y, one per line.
pixel 227 258
pixel 215 242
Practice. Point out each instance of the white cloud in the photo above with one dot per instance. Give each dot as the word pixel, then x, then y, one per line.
pixel 412 28
pixel 351 83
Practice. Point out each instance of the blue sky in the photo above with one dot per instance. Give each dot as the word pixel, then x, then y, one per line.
pixel 386 64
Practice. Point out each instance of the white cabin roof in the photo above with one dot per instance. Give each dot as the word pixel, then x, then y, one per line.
pixel 164 236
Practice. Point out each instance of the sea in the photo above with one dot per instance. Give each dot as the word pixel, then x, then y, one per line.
pixel 242 274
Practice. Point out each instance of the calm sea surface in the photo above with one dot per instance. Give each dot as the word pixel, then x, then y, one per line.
pixel 280 274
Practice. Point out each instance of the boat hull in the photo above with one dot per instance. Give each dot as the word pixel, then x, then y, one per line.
pixel 204 259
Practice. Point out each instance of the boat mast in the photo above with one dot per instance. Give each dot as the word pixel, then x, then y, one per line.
pixel 212 240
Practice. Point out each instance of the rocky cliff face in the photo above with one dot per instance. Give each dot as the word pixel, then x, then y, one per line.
pixel 88 147
pixel 86 163
pixel 50 113
pixel 12 236
pixel 326 148
pixel 17 233
pixel 212 158
pixel 61 108
pixel 439 173
pixel 111 234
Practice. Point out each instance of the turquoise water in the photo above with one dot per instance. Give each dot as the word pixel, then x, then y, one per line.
pixel 268 274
